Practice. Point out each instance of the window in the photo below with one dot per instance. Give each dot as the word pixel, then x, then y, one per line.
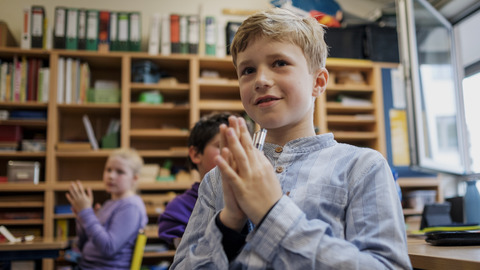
pixel 443 93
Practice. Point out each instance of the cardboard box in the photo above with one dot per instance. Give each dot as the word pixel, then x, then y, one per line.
pixel 23 171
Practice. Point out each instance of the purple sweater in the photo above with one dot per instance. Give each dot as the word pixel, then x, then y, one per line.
pixel 107 239
pixel 172 223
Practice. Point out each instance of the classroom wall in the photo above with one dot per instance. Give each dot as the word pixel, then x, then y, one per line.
pixel 469 44
pixel 11 10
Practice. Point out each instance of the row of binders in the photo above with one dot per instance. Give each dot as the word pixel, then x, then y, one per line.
pixel 88 29
pixel 81 29
pixel 103 30
pixel 24 79
pixel 189 34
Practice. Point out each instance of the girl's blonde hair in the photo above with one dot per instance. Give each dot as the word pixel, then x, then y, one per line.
pixel 282 25
pixel 134 159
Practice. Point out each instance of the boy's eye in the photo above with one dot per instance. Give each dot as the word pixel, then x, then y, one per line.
pixel 247 71
pixel 279 63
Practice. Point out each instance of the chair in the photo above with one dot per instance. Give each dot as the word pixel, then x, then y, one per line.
pixel 138 250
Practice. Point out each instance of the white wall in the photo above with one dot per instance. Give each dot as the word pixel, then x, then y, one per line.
pixel 469 39
pixel 11 10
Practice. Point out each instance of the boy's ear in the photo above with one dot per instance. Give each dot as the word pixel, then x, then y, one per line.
pixel 195 156
pixel 320 83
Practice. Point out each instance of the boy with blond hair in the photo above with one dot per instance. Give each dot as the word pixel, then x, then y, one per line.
pixel 307 201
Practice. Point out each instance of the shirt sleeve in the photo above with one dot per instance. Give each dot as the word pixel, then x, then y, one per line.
pixel 109 240
pixel 201 245
pixel 81 237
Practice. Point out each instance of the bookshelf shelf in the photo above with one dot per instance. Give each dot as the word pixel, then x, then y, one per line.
pixel 163 133
pixel 20 204
pixel 336 107
pixel 227 105
pixel 21 221
pixel 88 107
pixel 31 123
pixel 22 154
pixel 345 135
pixel 26 104
pixel 24 187
pixel 164 153
pixel 84 154
pixel 349 119
pixel 164 87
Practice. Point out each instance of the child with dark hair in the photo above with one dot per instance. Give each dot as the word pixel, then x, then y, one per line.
pixel 203 146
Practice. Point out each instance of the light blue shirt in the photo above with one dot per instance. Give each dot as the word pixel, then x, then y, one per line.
pixel 340 210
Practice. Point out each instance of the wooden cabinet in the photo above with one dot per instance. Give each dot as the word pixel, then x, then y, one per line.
pixel 352 106
pixel 193 86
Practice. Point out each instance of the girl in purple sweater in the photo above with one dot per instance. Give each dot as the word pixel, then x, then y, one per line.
pixel 106 238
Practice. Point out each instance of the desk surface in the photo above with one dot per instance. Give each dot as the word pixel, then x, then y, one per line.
pixel 36 244
pixel 425 256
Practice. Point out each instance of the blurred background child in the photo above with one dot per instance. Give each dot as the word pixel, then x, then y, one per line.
pixel 106 238
pixel 203 146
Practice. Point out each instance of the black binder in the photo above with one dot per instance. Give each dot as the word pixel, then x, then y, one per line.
pixel 60 28
pixel 82 29
pixel 36 27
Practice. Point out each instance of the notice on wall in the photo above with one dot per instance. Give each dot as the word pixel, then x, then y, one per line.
pixel 399 137
pixel 398 89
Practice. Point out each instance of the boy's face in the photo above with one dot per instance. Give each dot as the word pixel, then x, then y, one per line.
pixel 276 86
pixel 205 160
pixel 118 177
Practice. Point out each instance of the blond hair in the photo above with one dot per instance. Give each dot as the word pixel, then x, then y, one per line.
pixel 282 25
pixel 135 161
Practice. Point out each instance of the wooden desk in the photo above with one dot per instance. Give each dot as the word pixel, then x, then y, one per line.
pixel 39 248
pixel 425 256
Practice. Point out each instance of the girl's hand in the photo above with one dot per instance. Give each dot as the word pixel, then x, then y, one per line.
pixel 78 197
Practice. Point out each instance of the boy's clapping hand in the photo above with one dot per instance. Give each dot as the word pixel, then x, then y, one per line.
pixel 250 184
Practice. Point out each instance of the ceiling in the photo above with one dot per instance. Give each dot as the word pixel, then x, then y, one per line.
pixel 371 10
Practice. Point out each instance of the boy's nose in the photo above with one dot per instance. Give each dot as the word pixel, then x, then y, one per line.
pixel 263 79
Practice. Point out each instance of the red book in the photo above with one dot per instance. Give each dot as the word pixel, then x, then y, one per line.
pixel 103 28
pixel 175 32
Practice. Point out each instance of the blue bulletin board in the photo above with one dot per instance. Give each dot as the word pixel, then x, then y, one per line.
pixel 396 129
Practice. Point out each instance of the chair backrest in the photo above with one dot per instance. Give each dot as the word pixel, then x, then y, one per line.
pixel 138 250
